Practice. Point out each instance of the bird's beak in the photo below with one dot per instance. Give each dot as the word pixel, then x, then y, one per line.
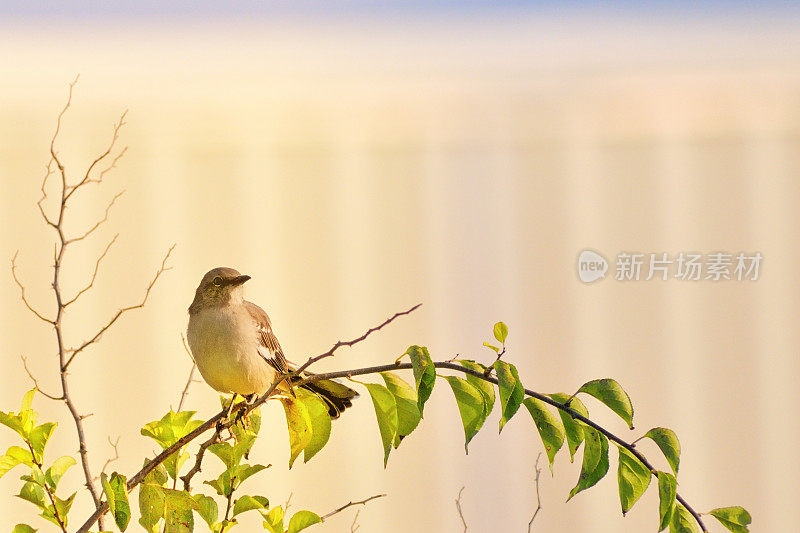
pixel 238 280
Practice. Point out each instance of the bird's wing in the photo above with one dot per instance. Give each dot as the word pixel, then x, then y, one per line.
pixel 269 348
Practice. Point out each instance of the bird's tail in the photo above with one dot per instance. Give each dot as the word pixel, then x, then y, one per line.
pixel 337 396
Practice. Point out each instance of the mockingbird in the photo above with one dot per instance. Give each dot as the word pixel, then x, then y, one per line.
pixel 234 346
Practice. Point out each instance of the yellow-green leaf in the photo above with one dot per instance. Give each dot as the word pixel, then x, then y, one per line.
pixel 250 503
pixel 116 490
pixel 669 444
pixel 572 427
pixel 14 456
pixel 482 385
pixel 24 528
pixel 39 436
pixel 633 478
pixel 470 405
pixel 320 423
pixel 682 521
pixel 151 505
pixel 206 508
pixel 667 490
pixel 550 428
pixel 511 390
pixel 302 520
pixel 612 394
pixel 298 422
pixel 408 415
pixel 424 373
pixel 500 332
pixel 735 518
pixel 273 520
pixel 595 460
pixel 53 474
pixel 386 413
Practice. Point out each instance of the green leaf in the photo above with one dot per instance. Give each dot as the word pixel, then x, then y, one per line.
pixel 243 472
pixel 408 415
pixel 320 423
pixel 250 503
pixel 298 422
pixel 24 528
pixel 386 413
pixel 682 521
pixel 424 373
pixel 116 490
pixel 206 508
pixel 595 460
pixel 171 427
pixel 492 347
pixel 573 428
pixel 53 474
pixel 178 506
pixel 14 456
pixel 470 405
pixel 735 519
pixel 33 493
pixel 501 332
pixel 511 390
pixel 273 521
pixel 14 422
pixel 302 520
pixel 151 505
pixel 39 436
pixel 611 393
pixel 63 506
pixel 157 476
pixel 551 430
pixel 669 444
pixel 667 490
pixel 27 400
pixel 482 385
pixel 633 478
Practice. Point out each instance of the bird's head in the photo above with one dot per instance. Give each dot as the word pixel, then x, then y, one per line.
pixel 219 286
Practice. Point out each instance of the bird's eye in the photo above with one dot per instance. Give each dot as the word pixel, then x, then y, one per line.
pixel 217 281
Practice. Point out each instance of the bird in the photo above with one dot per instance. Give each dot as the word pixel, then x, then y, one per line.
pixel 236 350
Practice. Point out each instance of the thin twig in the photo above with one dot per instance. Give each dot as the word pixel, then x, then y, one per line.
pixel 94 274
pixel 99 222
pixel 187 478
pixel 122 311
pixel 191 379
pixel 351 504
pixel 354 526
pixel 38 315
pixel 36 382
pixel 461 511
pixel 538 497
pixel 115 446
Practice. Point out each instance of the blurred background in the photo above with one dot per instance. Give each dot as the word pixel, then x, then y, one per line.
pixel 358 158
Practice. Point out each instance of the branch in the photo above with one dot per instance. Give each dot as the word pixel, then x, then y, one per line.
pixel 538 497
pixel 122 311
pixel 460 511
pixel 98 223
pixel 115 446
pixel 187 479
pixel 94 274
pixel 36 382
pixel 70 190
pixel 351 504
pixel 191 379
pixel 22 292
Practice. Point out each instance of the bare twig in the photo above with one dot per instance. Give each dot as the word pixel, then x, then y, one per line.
pixel 461 511
pixel 94 274
pixel 122 311
pixel 351 504
pixel 36 382
pixel 114 446
pixel 354 526
pixel 22 292
pixel 187 479
pixel 538 497
pixel 191 379
pixel 70 190
pixel 99 222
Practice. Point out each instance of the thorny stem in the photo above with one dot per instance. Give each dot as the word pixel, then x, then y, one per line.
pixel 65 192
pixel 50 493
pixel 221 418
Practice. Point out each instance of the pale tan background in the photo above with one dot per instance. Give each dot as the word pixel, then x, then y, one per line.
pixel 356 168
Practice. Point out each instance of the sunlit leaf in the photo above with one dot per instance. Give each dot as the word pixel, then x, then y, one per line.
pixel 206 508
pixel 178 507
pixel 24 528
pixel 492 347
pixel 482 385
pixel 59 467
pixel 116 491
pixel 39 436
pixel 470 405
pixel 682 520
pixel 320 423
pixel 595 460
pixel 14 456
pixel 298 422
pixel 572 427
pixel 151 506
pixel 424 373
pixel 667 490
pixel 63 507
pixel 511 390
pixel 735 519
pixel 501 332
pixel 550 428
pixel 386 412
pixel 250 503
pixel 669 444
pixel 273 520
pixel 408 415
pixel 633 478
pixel 302 520
pixel 611 393
pixel 33 493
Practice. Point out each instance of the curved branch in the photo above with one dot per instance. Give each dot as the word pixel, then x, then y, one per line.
pixel 94 274
pixel 351 504
pixel 22 292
